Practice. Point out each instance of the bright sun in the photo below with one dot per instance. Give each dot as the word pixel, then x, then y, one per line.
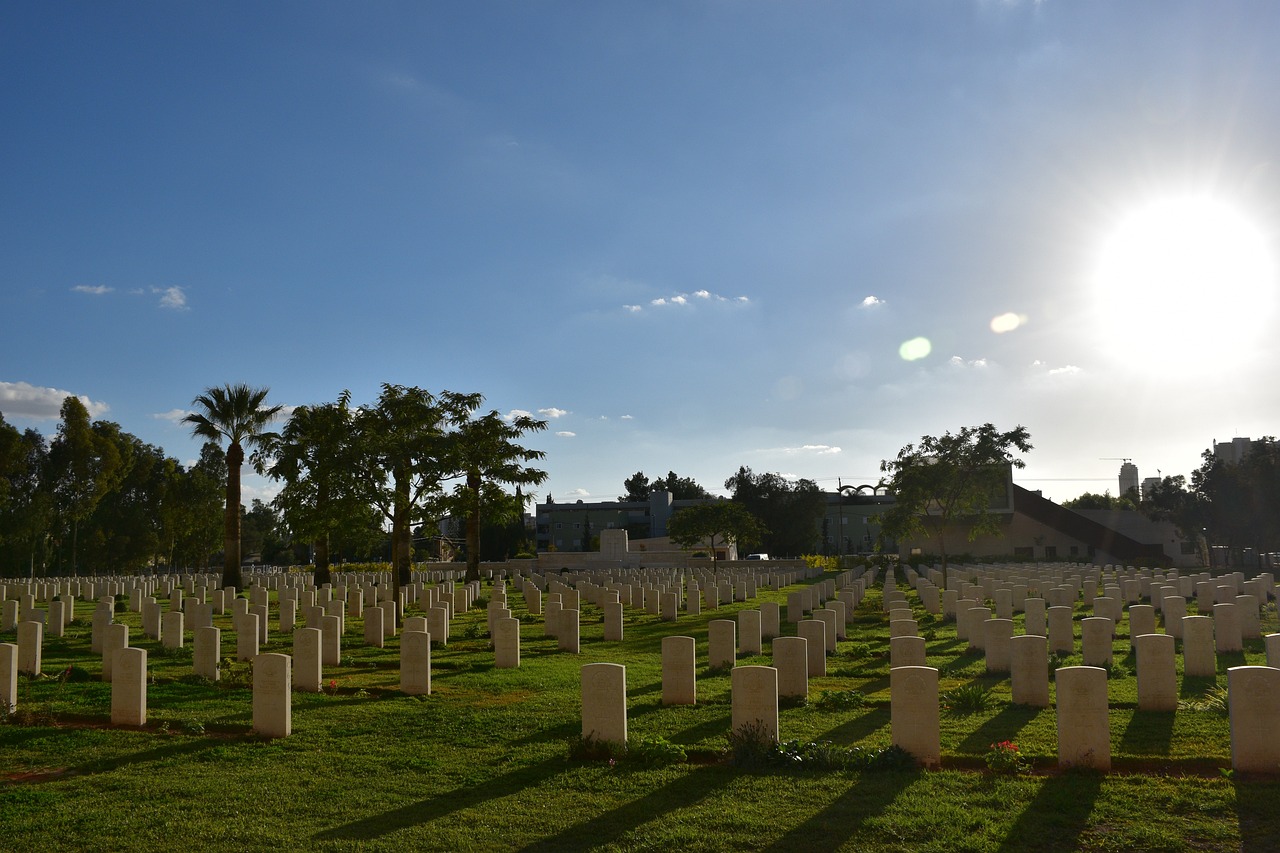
pixel 1184 279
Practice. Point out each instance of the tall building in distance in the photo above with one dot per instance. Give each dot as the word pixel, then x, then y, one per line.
pixel 1232 452
pixel 1128 478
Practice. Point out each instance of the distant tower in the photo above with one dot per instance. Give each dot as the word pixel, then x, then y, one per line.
pixel 1128 478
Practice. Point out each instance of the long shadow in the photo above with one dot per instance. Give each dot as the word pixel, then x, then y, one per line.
pixel 832 827
pixel 1005 725
pixel 563 731
pixel 442 804
pixel 1256 813
pixel 1197 685
pixel 611 825
pixel 1148 733
pixel 105 765
pixel 1058 815
pixel 695 734
pixel 859 727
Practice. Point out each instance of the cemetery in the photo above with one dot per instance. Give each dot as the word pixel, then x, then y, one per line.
pixel 1015 706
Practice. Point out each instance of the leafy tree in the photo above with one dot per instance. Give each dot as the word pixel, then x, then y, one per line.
pixel 639 487
pixel 125 528
pixel 404 444
pixel 485 457
pixel 949 479
pixel 315 458
pixel 190 522
pixel 790 511
pixel 239 415
pixel 1106 500
pixel 26 507
pixel 84 466
pixel 1241 501
pixel 728 521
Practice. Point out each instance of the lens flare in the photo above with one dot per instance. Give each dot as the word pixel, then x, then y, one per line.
pixel 1007 322
pixel 915 349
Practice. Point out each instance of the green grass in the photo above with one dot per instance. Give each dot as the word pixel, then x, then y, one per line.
pixel 484 762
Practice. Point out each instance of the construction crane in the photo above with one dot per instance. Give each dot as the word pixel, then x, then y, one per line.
pixel 1116 458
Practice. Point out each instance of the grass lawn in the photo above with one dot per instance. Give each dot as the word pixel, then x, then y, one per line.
pixel 484 763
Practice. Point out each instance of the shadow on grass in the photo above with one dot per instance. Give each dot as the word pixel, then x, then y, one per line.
pixel 1058 815
pixel 608 827
pixel 1148 733
pixel 1197 685
pixel 1257 815
pixel 1005 725
pixel 832 827
pixel 443 804
pixel 186 748
pixel 859 727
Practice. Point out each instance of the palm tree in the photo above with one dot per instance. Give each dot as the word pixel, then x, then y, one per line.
pixel 235 413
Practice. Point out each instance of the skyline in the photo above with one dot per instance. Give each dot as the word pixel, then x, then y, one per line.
pixel 691 237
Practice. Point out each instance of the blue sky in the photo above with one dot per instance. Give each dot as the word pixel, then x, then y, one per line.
pixel 693 236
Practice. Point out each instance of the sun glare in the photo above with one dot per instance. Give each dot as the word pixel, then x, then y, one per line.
pixel 1183 279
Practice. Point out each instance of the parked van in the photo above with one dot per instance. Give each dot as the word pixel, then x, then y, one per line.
pixel 757 556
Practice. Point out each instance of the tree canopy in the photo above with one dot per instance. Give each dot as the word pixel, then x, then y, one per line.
pixel 790 510
pixel 639 487
pixel 727 521
pixel 951 478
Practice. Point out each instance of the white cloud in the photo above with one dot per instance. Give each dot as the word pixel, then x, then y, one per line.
pixel 172 297
pixel 1067 370
pixel 173 416
pixel 816 449
pixel 553 412
pixel 627 417
pixel 566 434
pixel 578 493
pixel 957 361
pixel 23 400
pixel 516 413
pixel 686 299
pixel 93 289
pixel 872 302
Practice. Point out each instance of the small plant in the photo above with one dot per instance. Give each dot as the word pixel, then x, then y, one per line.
pixel 752 746
pixel 967 699
pixel 858 651
pixel 481 602
pixel 655 751
pixel 842 699
pixel 1004 757
pixel 1213 702
pixel 589 748
pixel 193 727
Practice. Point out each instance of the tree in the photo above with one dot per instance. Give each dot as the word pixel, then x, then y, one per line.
pixel 189 514
pixel 26 507
pixel 84 466
pixel 949 479
pixel 403 442
pixel 639 487
pixel 727 521
pixel 1106 500
pixel 1241 500
pixel 485 457
pixel 315 458
pixel 789 510
pixel 239 415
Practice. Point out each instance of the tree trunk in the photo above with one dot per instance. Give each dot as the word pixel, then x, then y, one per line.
pixel 322 560
pixel 473 528
pixel 401 534
pixel 231 521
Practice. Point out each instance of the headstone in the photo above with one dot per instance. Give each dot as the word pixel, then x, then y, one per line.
pixel 1157 672
pixel 374 633
pixel 308 657
pixel 246 626
pixel 1096 633
pixel 613 621
pixel 438 624
pixel 999 633
pixel 749 633
pixel 272 700
pixel 913 701
pixel 1226 628
pixel 115 638
pixel 1253 702
pixel 604 703
pixel 331 641
pixel 721 643
pixel 679 675
pixel 815 631
pixel 8 678
pixel 791 660
pixel 171 629
pixel 1034 611
pixel 568 633
pixel 129 687
pixel 1084 735
pixel 30 647
pixel 1142 620
pixel 1198 658
pixel 1029 670
pixel 506 643
pixel 207 653
pixel 415 663
pixel 754 697
pixel 906 651
pixel 770 620
pixel 1272 644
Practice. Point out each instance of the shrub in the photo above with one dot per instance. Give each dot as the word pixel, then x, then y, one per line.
pixel 752 746
pixel 1004 757
pixel 655 751
pixel 966 699
pixel 588 748
pixel 842 699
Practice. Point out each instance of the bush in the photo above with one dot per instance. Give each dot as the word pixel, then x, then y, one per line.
pixel 1004 757
pixel 655 751
pixel 967 699
pixel 842 699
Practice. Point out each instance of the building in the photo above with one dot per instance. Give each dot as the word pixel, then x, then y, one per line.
pixel 1128 478
pixel 576 526
pixel 1234 451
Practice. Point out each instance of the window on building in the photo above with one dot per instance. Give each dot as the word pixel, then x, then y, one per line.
pixel 1028 553
pixel 577 525
pixel 559 525
pixel 1050 551
pixel 1074 551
